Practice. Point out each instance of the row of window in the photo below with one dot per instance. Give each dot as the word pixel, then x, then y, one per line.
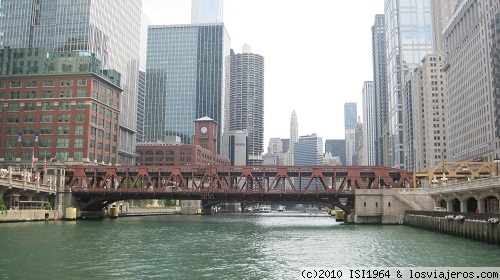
pixel 61 130
pixel 61 143
pixel 33 94
pixel 77 156
pixel 48 106
pixel 45 83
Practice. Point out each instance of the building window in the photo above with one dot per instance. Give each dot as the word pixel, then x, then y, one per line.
pixel 66 83
pixel 92 144
pixel 30 94
pixel 99 146
pixel 31 83
pixel 46 130
pixel 62 155
pixel 13 107
pixel 78 143
pixel 29 130
pixel 63 118
pixel 16 84
pixel 12 130
pixel 10 143
pixel 12 119
pixel 2 84
pixel 81 93
pixel 78 156
pixel 65 93
pixel 49 83
pixel 80 105
pixel 28 143
pixel 63 130
pixel 92 131
pixel 29 118
pixel 30 107
pixel 48 94
pixel 47 106
pixel 82 82
pixel 91 156
pixel 10 155
pixel 100 133
pixel 64 105
pixel 62 143
pixel 15 95
pixel 45 143
pixel 79 118
pixel 79 130
pixel 46 118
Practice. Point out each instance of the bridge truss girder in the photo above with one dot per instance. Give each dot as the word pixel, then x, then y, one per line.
pixel 100 185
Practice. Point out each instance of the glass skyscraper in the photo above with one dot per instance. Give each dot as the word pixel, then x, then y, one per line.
pixel 187 79
pixel 247 100
pixel 409 39
pixel 105 28
pixel 206 11
pixel 380 88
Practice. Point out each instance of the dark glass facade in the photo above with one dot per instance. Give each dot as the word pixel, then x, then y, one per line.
pixel 186 79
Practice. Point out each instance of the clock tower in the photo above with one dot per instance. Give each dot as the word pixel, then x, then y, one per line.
pixel 205 134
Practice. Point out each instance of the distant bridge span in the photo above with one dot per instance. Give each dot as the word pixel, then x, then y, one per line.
pixel 97 186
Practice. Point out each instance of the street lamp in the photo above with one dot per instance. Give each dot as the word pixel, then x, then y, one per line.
pixel 496 161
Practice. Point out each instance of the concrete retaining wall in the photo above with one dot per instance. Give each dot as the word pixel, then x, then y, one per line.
pixel 477 230
pixel 28 215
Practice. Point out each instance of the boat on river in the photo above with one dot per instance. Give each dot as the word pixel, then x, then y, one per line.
pixel 281 208
pixel 265 209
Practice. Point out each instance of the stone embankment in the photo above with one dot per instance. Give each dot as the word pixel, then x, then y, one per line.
pixel 28 215
pixel 481 230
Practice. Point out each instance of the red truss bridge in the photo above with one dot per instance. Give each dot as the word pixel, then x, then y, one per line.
pixel 97 186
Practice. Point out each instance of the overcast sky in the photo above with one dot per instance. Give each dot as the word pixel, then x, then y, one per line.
pixel 317 55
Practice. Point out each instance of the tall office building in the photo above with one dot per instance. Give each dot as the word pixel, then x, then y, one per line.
pixel 408 39
pixel 187 79
pixel 206 11
pixel 442 12
pixel 336 147
pixel 430 136
pixel 369 124
pixel 472 69
pixel 380 90
pixel 294 138
pixel 141 86
pixel 350 115
pixel 309 150
pixel 246 99
pixel 110 31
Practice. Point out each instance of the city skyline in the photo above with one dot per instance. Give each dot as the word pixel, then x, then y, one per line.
pixel 318 95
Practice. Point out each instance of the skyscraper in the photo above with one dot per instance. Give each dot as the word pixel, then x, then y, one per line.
pixel 472 67
pixel 369 124
pixel 206 11
pixel 187 79
pixel 350 115
pixel 409 39
pixel 108 30
pixel 336 147
pixel 294 138
pixel 309 150
pixel 246 100
pixel 380 88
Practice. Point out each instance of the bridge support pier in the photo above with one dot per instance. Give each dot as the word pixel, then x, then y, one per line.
pixel 206 207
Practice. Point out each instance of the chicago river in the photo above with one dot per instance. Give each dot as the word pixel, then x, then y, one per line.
pixel 222 246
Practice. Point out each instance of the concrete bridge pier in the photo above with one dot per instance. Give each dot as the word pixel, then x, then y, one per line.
pixel 206 207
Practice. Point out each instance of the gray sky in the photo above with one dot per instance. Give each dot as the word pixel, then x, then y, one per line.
pixel 317 55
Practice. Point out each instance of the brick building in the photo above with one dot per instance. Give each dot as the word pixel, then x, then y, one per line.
pixel 57 105
pixel 175 153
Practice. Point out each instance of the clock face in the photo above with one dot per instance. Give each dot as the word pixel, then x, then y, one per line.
pixel 204 129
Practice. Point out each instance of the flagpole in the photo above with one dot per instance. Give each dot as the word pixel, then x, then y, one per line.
pixel 33 160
